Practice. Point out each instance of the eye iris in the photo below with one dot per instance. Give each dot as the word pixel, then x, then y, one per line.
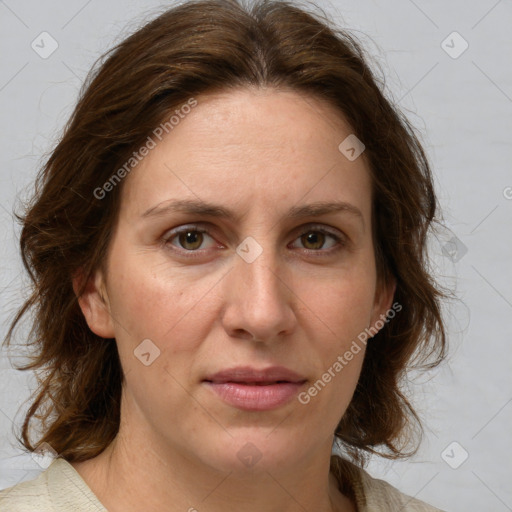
pixel 315 238
pixel 194 238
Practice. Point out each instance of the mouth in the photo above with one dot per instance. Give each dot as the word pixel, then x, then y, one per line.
pixel 255 390
pixel 254 376
pixel 254 383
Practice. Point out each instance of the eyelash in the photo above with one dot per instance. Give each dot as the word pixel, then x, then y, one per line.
pixel 340 241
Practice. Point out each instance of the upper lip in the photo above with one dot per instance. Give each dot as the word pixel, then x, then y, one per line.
pixel 247 374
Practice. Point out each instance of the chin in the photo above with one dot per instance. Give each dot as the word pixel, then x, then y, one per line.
pixel 253 450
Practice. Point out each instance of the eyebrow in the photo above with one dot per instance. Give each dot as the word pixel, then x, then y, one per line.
pixel 199 207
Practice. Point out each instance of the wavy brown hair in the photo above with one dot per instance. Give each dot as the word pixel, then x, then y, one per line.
pixel 188 50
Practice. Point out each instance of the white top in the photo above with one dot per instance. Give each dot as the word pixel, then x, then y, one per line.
pixel 60 488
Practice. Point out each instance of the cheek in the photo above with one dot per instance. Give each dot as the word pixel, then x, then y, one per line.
pixel 326 398
pixel 339 312
pixel 338 355
pixel 153 302
pixel 342 303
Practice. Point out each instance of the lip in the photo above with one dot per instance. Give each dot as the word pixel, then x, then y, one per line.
pixel 252 389
pixel 247 375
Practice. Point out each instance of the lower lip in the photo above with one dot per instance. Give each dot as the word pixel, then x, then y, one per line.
pixel 256 398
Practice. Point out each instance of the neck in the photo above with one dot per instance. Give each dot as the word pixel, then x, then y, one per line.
pixel 145 470
pixel 130 477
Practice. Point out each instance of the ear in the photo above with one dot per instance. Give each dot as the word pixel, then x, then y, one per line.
pixel 384 294
pixel 94 303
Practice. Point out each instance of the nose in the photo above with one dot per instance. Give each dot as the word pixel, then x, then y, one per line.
pixel 259 304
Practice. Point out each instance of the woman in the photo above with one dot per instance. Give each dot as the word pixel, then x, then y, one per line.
pixel 228 252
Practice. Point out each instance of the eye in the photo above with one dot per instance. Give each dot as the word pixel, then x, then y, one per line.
pixel 189 238
pixel 315 238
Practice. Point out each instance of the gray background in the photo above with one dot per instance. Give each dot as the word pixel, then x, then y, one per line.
pixel 462 108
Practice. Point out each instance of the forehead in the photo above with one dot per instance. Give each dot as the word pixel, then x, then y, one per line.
pixel 251 146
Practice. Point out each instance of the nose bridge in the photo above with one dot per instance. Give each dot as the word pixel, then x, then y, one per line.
pixel 258 269
pixel 258 299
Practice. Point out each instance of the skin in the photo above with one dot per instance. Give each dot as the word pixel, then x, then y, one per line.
pixel 299 304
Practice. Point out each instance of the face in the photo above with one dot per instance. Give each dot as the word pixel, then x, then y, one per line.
pixel 226 257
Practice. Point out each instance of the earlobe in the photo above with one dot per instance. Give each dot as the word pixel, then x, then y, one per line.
pixel 93 302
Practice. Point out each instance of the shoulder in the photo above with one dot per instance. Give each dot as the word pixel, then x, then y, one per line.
pixel 57 489
pixel 378 492
pixel 375 495
pixel 27 496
